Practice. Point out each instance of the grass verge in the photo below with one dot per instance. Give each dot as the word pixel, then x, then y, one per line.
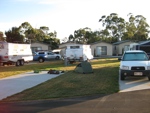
pixel 104 80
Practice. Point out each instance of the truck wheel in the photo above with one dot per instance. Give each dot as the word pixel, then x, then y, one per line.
pixel 122 77
pixel 21 62
pixel 57 58
pixel 149 78
pixel 41 60
pixel 18 63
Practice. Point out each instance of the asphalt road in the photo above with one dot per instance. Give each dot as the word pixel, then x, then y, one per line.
pixel 133 97
pixel 126 102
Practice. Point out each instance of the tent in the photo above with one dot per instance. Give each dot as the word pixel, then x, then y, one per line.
pixel 84 67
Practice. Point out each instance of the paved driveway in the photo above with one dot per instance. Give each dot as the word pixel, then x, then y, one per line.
pixel 18 83
pixel 134 84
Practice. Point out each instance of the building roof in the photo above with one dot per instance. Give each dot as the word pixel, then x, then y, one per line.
pixel 70 42
pixel 100 42
pixel 67 42
pixel 120 42
pixel 147 42
pixel 40 43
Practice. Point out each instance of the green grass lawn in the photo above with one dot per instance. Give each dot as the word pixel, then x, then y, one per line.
pixel 104 80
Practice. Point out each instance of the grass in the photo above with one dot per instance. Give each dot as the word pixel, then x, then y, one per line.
pixel 104 80
pixel 13 70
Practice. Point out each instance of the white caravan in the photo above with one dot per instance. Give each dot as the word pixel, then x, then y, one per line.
pixel 13 53
pixel 78 53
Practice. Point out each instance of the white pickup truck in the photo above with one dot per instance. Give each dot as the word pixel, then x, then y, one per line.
pixel 75 53
pixel 14 53
pixel 134 63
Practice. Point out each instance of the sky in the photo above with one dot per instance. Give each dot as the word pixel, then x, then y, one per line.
pixel 66 16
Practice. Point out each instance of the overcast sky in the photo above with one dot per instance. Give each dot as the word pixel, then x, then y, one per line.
pixel 66 16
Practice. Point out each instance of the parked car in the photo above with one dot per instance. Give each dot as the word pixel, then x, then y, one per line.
pixel 41 56
pixel 134 63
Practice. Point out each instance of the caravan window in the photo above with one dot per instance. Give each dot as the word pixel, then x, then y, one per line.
pixel 74 47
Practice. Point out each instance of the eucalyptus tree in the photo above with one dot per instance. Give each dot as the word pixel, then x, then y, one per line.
pixel 71 38
pixel 30 35
pixel 114 26
pixel 24 29
pixel 17 34
pixel 93 37
pixel 44 29
pixel 65 39
pixel 142 28
pixel 130 28
pixel 82 35
pixel 137 28
pixel 79 36
pixel 51 35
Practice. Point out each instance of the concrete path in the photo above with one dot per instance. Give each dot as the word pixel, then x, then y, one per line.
pixel 15 84
pixel 134 84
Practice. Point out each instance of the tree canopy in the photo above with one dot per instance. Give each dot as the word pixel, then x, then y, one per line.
pixel 25 33
pixel 113 28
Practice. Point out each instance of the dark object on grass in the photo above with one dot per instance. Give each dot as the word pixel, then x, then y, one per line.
pixel 53 71
pixel 37 71
pixel 84 67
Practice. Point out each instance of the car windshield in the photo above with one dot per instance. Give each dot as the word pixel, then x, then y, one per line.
pixel 135 56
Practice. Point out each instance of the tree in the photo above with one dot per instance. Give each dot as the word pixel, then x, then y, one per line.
pixel 53 42
pixel 44 29
pixel 142 28
pixel 114 26
pixel 137 29
pixel 71 38
pixel 82 35
pixel 24 27
pixel 65 39
pixel 14 35
pixel 26 33
pixel 130 29
pixel 30 35
pixel 93 37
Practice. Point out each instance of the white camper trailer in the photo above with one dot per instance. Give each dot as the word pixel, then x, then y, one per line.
pixel 13 53
pixel 78 53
